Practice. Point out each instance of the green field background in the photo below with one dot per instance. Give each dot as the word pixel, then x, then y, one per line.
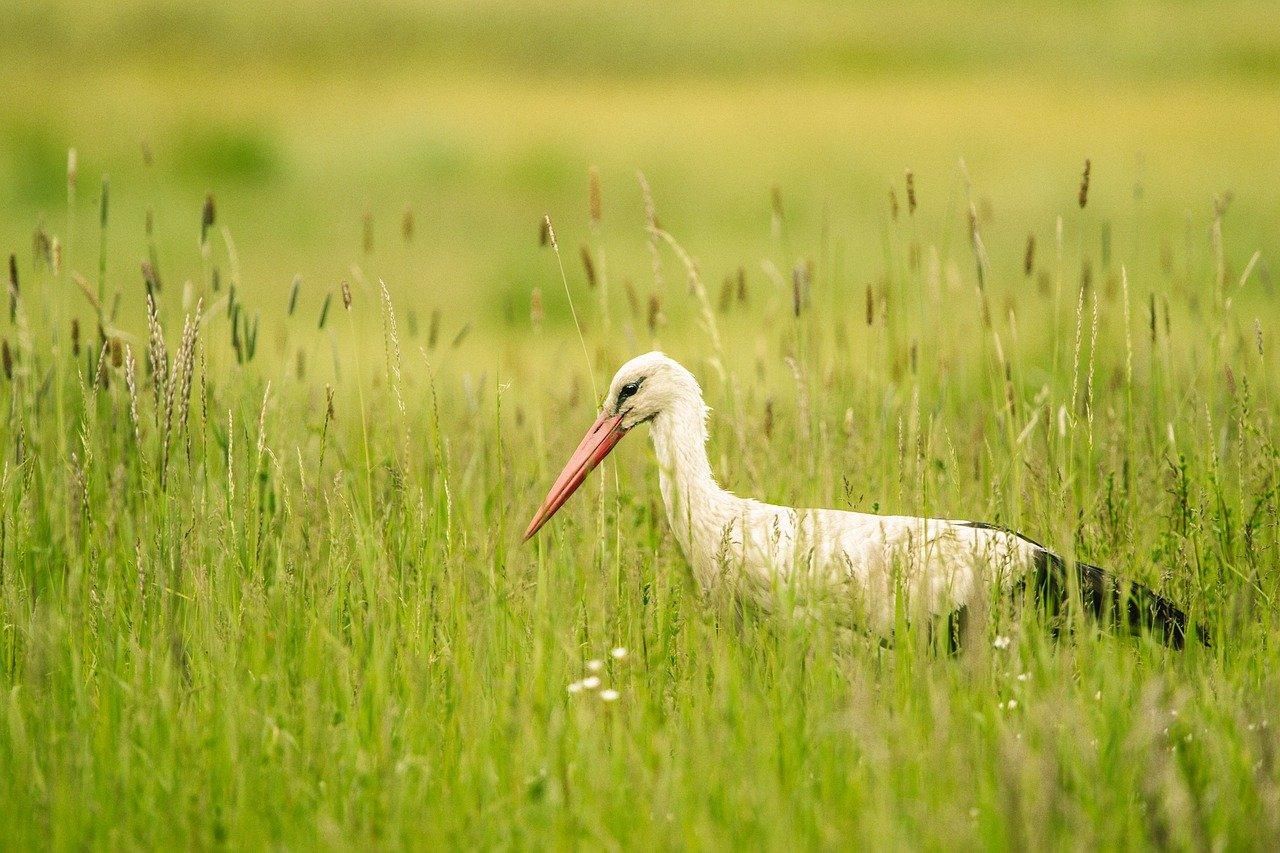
pixel 297 613
pixel 484 116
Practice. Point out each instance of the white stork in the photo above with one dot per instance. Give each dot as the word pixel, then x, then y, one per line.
pixel 867 566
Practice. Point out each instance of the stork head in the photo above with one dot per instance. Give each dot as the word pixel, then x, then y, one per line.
pixel 644 388
pixel 648 385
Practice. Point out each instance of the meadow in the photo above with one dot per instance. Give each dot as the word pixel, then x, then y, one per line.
pixel 307 307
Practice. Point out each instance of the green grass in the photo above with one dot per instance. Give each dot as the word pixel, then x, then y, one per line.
pixel 304 628
pixel 304 618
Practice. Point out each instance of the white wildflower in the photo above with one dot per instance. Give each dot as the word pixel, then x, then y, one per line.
pixel 1001 642
pixel 574 687
pixel 618 653
pixel 595 665
pixel 591 682
pixel 609 695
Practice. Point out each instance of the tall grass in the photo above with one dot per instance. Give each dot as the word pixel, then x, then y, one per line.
pixel 246 602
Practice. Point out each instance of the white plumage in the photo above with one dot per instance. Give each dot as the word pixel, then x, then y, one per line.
pixel 854 567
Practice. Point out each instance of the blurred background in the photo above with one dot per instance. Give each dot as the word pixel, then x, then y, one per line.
pixel 317 124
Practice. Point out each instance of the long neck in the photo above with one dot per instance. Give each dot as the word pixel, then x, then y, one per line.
pixel 697 507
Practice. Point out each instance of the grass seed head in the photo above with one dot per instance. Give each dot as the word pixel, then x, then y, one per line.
pixel 588 266
pixel 42 246
pixel 131 382
pixel 549 233
pixel 157 354
pixel 208 218
pixel 407 224
pixel 1084 183
pixel 594 205
pixel 104 202
pixel 911 193
pixel 149 277
pixel 13 287
pixel 1221 202
pixel 461 336
pixel 324 309
pixel 391 342
pixel 650 208
pixel 185 362
pixel 101 378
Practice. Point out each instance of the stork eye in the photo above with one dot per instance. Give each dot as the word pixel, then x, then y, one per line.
pixel 627 390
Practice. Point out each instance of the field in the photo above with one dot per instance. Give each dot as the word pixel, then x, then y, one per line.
pixel 261 578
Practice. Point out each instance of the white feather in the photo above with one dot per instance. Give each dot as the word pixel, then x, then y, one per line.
pixel 861 565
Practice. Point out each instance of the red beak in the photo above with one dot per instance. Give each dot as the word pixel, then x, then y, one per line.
pixel 603 436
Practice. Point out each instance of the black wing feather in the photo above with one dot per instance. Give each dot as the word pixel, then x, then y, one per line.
pixel 1103 595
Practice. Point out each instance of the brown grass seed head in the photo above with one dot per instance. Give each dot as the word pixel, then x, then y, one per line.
pixel 594 202
pixel 208 217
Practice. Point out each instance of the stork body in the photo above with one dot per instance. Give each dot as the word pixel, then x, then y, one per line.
pixel 862 568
